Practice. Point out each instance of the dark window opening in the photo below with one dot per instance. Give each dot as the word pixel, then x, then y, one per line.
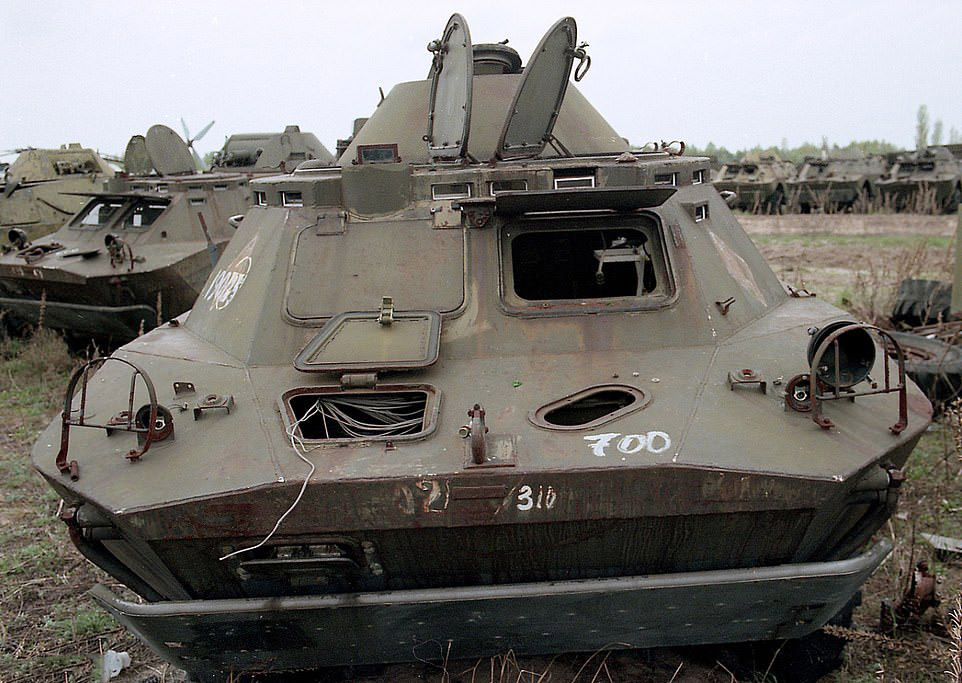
pixel 582 264
pixel 143 215
pixel 99 213
pixel 497 186
pixel 358 416
pixel 377 154
pixel 292 199
pixel 589 408
pixel 574 177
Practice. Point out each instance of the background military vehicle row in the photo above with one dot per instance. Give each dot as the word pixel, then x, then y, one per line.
pixel 927 179
pixel 759 182
pixel 927 182
pixel 494 382
pixel 838 182
pixel 141 246
pixel 41 187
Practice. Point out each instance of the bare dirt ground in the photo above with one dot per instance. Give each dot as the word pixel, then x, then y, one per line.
pixel 51 632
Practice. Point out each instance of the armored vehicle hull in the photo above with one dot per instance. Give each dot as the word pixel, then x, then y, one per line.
pixel 533 402
pixel 139 250
pixel 836 183
pixel 924 181
pixel 759 182
pixel 158 257
pixel 44 187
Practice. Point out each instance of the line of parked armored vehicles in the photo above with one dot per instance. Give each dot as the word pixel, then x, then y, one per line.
pixel 926 181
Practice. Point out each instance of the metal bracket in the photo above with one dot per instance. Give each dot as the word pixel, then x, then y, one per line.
pixel 746 376
pixel 386 316
pixel 445 215
pixel 478 212
pixel 212 402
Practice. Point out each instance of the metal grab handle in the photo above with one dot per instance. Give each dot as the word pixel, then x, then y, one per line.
pixel 150 434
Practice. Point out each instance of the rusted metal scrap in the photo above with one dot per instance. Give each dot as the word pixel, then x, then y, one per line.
pixel 918 598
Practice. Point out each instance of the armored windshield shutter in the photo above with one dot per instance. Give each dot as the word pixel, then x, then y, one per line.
pixel 449 113
pixel 535 108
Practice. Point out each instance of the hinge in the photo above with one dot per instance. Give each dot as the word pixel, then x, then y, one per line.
pixel 359 380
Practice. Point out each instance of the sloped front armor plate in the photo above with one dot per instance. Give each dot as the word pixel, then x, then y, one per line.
pixel 534 111
pixel 449 115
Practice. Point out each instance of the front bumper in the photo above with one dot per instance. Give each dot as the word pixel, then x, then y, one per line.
pixel 123 322
pixel 212 638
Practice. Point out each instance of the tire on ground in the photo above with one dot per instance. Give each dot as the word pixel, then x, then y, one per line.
pixel 936 367
pixel 922 302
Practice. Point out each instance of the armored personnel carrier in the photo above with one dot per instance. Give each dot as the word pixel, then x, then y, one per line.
pixel 137 252
pixel 930 179
pixel 260 152
pixel 759 182
pixel 40 188
pixel 492 382
pixel 838 182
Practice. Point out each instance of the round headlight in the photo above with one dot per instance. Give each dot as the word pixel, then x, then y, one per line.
pixel 847 359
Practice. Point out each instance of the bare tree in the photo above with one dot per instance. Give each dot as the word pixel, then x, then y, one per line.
pixel 937 132
pixel 922 128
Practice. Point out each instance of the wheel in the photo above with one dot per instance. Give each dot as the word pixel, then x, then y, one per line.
pixel 952 203
pixel 936 367
pixel 922 302
pixel 776 200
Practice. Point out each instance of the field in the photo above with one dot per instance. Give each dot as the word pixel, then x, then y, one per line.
pixel 51 632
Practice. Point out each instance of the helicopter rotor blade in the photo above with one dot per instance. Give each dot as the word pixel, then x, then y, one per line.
pixel 183 124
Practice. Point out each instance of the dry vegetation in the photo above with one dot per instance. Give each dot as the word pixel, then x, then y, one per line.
pixel 51 632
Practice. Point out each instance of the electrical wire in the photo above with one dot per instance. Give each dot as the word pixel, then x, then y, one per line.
pixel 356 416
pixel 296 439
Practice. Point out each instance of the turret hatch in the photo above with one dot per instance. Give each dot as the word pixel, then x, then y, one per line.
pixel 452 77
pixel 535 108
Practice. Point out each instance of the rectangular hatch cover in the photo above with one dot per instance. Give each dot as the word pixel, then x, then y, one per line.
pixel 366 341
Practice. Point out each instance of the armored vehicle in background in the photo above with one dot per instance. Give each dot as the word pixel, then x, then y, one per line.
pixel 924 181
pixel 260 152
pixel 40 188
pixel 839 182
pixel 136 253
pixel 759 182
pixel 494 382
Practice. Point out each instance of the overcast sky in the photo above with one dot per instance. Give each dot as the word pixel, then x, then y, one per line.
pixel 735 73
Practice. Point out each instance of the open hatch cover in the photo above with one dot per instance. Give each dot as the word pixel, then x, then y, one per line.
pixel 371 341
pixel 535 108
pixel 452 80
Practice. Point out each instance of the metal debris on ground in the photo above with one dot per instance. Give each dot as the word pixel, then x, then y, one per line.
pixel 916 601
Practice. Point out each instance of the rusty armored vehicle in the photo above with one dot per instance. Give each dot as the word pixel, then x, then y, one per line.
pixel 41 187
pixel 493 381
pixel 759 181
pixel 926 180
pixel 841 181
pixel 136 253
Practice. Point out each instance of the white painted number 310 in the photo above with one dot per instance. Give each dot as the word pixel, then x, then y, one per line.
pixel 629 444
